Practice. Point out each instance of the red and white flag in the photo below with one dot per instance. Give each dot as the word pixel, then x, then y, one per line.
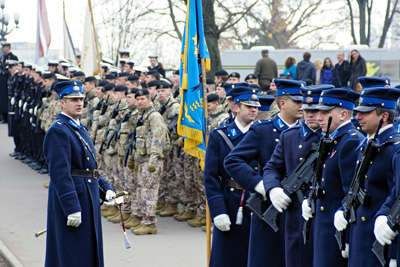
pixel 43 31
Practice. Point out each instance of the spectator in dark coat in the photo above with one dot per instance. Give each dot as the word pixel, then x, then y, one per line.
pixel 306 69
pixel 327 71
pixel 358 68
pixel 341 72
pixel 266 70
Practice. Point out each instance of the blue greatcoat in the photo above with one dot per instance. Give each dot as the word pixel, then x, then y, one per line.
pixel 378 185
pixel 66 245
pixel 266 247
pixel 337 174
pixel 294 144
pixel 229 248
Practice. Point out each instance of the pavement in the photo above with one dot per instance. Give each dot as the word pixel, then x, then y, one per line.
pixel 23 213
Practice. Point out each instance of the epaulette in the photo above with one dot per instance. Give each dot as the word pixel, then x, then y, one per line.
pixel 58 124
pixel 352 133
pixel 260 122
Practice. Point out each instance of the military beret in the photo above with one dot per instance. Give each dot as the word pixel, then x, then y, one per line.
pixel 90 79
pixel 311 95
pixel 123 74
pixel 102 83
pixel 368 82
pixel 49 75
pixel 290 88
pixel 69 89
pixel 108 87
pixel 265 102
pixel 210 81
pixel 142 92
pixel 110 76
pixel 338 97
pixel 153 72
pixel 220 84
pixel 52 63
pixel 131 91
pixel 378 97
pixel 120 88
pixel 220 73
pixel 138 72
pixel 175 72
pixel 163 85
pixel 212 98
pixel 251 76
pixel 133 78
pixel 152 83
pixel 234 74
pixel 78 74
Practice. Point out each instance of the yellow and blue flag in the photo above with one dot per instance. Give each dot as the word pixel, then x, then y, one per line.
pixel 192 123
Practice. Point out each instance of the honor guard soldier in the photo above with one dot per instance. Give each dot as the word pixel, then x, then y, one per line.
pixel 225 196
pixel 294 145
pixel 155 65
pixel 12 68
pixel 52 64
pixel 151 138
pixel 91 99
pixel 375 103
pixel 259 144
pixel 74 232
pixel 4 76
pixel 337 173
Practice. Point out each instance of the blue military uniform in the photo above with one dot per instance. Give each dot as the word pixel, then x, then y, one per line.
pixel 65 153
pixel 293 146
pixel 266 246
pixel 379 180
pixel 337 174
pixel 229 248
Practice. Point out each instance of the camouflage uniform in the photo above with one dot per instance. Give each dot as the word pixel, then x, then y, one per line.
pixel 216 117
pixel 151 138
pixel 273 110
pixel 91 101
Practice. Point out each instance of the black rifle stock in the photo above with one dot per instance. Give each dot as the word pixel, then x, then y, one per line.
pixel 296 183
pixel 356 194
pixel 113 115
pixel 132 141
pixel 255 202
pixel 393 220
pixel 315 190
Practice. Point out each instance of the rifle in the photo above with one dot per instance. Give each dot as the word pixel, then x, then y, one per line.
pixel 91 111
pixel 356 194
pixel 393 220
pixel 172 124
pixel 113 115
pixel 117 129
pixel 103 111
pixel 315 190
pixel 256 204
pixel 132 140
pixel 296 183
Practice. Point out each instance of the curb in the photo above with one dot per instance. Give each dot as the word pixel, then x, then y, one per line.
pixel 11 259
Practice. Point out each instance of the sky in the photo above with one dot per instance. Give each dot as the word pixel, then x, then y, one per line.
pixel 74 10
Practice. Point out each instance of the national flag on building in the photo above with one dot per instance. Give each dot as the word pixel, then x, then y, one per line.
pixel 43 31
pixel 192 123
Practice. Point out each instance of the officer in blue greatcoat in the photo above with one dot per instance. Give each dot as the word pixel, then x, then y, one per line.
pixel 337 173
pixel 266 247
pixel 225 196
pixel 74 234
pixel 376 103
pixel 292 148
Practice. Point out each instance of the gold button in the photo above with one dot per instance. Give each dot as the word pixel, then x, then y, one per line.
pixel 361 149
pixel 87 158
pixel 232 189
pixel 335 142
pixel 370 163
pixel 300 159
pixel 300 146
pixel 277 140
pixel 323 179
pixel 324 166
pixel 274 130
pixel 87 169
pixel 256 168
pixel 85 147
pixel 231 178
pixel 323 192
pixel 322 208
pixel 89 180
pixel 366 177
pixel 363 219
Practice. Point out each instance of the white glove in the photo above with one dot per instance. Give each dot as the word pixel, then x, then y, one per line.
pixel 35 111
pixel 340 221
pixel 25 104
pixel 31 111
pixel 392 263
pixel 74 219
pixel 20 103
pixel 382 231
pixel 222 222
pixel 345 252
pixel 110 201
pixel 13 101
pixel 306 210
pixel 260 189
pixel 279 199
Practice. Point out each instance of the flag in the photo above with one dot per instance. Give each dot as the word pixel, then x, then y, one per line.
pixel 69 49
pixel 192 123
pixel 43 31
pixel 89 63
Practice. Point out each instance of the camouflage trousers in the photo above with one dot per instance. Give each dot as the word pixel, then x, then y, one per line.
pixel 100 161
pixel 189 201
pixel 108 168
pixel 200 196
pixel 114 172
pixel 176 178
pixel 147 192
pixel 130 181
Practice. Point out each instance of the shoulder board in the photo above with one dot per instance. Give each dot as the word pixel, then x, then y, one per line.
pixel 259 122
pixel 353 133
pixel 58 124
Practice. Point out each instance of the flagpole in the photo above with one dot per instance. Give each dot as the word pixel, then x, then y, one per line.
pixel 69 41
pixel 208 217
pixel 95 40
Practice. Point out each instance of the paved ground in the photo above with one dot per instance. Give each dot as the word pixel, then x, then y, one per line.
pixel 23 212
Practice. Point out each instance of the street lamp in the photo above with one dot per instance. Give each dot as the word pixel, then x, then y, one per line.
pixel 4 20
